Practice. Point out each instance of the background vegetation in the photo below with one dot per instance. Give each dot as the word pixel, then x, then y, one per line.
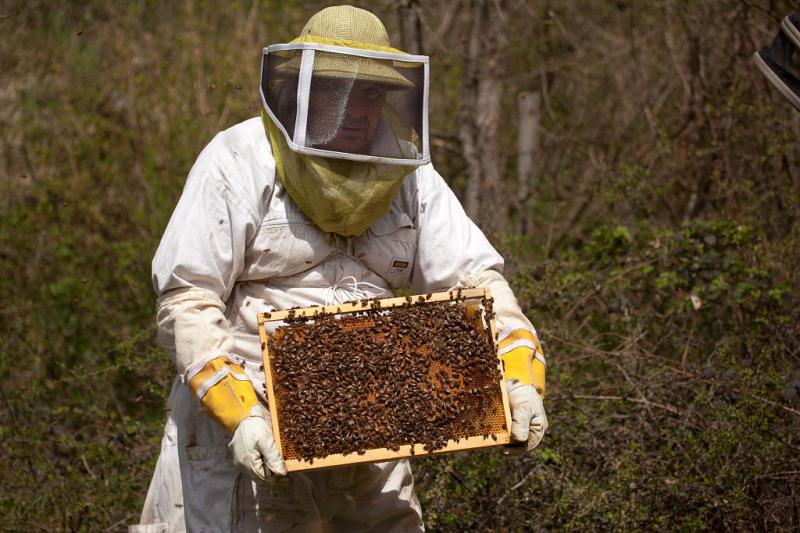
pixel 655 248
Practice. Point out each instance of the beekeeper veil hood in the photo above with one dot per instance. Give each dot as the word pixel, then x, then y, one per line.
pixel 346 115
pixel 780 62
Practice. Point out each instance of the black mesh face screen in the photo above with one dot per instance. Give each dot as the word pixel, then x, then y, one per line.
pixel 279 80
pixel 358 106
pixel 784 54
pixel 780 62
pixel 365 106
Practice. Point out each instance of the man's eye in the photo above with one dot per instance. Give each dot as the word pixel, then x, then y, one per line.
pixel 373 93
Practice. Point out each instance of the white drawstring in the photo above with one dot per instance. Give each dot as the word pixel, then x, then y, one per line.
pixel 357 290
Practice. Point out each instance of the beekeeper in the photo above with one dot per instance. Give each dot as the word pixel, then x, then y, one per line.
pixel 328 196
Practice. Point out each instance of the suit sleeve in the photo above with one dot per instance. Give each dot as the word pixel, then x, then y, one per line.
pixel 450 246
pixel 202 252
pixel 452 251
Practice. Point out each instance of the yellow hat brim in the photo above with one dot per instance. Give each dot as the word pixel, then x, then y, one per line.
pixel 339 66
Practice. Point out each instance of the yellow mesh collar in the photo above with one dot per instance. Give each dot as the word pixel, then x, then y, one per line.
pixel 329 191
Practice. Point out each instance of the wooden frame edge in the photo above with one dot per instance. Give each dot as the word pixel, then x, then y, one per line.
pixel 364 305
pixel 373 455
pixel 270 392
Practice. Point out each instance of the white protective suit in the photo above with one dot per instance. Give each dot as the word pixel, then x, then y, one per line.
pixel 237 245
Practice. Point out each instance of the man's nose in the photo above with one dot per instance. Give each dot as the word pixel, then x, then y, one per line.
pixel 356 108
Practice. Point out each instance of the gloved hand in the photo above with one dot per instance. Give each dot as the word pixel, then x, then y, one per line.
pixel 254 450
pixel 528 419
pixel 227 395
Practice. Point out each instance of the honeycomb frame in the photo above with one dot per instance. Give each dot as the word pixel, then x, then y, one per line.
pixel 472 442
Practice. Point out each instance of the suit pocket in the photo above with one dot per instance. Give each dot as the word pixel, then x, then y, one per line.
pixel 392 249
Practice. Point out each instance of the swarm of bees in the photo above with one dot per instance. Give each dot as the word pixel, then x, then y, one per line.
pixel 383 378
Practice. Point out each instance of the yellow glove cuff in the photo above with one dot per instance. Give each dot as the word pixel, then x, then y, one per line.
pixel 522 358
pixel 224 391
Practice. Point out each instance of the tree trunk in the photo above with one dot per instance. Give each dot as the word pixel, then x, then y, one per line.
pixel 528 118
pixel 484 71
pixel 410 27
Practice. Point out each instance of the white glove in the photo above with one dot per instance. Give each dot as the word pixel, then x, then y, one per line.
pixel 254 450
pixel 528 420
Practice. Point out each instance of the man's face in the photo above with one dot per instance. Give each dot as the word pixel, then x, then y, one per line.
pixel 355 107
